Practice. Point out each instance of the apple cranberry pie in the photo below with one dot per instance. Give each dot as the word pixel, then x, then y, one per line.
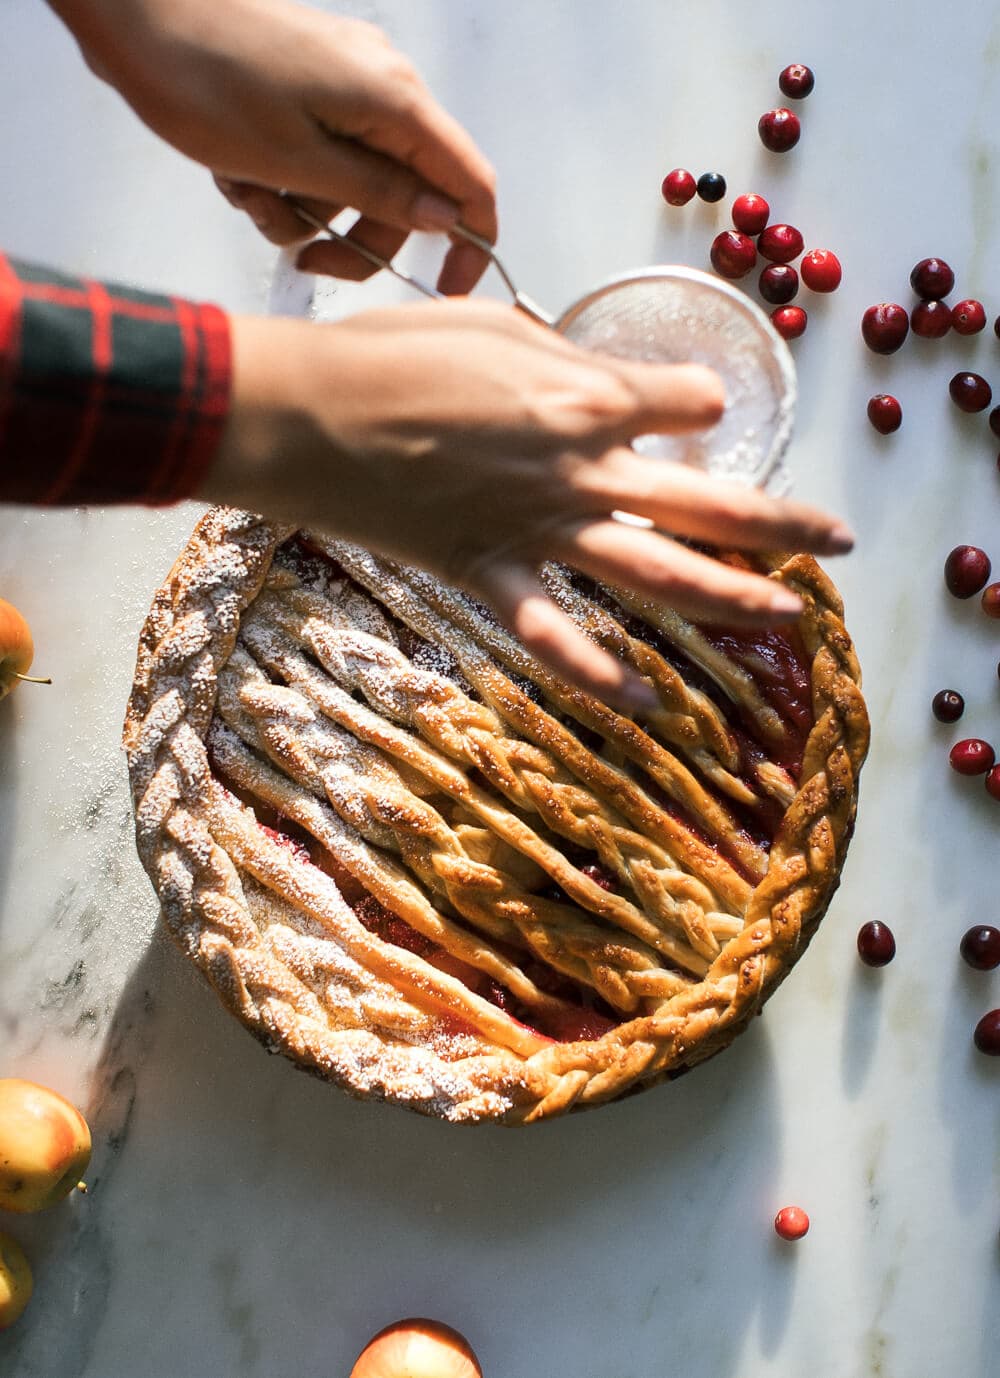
pixel 414 861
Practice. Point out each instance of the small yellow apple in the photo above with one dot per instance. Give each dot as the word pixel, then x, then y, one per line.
pixel 16 1283
pixel 44 1146
pixel 16 649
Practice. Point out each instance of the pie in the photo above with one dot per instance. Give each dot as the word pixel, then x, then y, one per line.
pixel 412 860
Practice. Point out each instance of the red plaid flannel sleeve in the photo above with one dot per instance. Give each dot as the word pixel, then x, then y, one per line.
pixel 107 394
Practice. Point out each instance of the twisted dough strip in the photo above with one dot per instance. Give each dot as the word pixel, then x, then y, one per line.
pixel 472 734
pixel 180 811
pixel 281 723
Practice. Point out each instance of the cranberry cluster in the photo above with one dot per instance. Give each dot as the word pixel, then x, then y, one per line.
pixel 780 129
pixel 885 326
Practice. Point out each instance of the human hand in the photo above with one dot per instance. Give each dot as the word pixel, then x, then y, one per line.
pixel 273 95
pixel 467 440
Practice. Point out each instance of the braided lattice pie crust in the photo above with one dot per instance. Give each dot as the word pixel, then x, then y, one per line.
pixel 413 861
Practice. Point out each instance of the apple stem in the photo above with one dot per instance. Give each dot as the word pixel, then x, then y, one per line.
pixel 33 679
pixel 82 1186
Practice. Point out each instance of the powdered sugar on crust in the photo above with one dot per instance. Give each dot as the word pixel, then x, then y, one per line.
pixel 417 747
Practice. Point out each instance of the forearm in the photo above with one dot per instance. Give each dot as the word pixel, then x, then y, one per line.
pixel 107 394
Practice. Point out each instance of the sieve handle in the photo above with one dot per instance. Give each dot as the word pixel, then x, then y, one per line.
pixel 521 300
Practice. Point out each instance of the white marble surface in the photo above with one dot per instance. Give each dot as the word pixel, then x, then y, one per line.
pixel 248 1222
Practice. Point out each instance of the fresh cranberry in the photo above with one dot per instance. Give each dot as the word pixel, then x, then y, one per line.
pixel 884 327
pixel 779 130
pixel 994 419
pixel 992 782
pixel 778 283
pixel 780 243
pixel 789 321
pixel 876 945
pixel 885 413
pixel 796 81
pixel 791 1222
pixel 711 186
pixel 968 317
pixel 970 392
pixel 947 705
pixel 972 756
pixel 932 279
pixel 733 254
pixel 987 1035
pixel 931 319
pixel 750 213
pixel 980 947
pixel 996 327
pixel 990 601
pixel 821 270
pixel 966 570
pixel 678 187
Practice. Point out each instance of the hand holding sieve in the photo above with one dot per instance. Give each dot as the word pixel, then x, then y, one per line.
pixel 670 315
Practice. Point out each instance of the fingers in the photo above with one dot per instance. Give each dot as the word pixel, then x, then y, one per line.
pixel 694 584
pixel 668 399
pixel 339 261
pixel 518 597
pixel 687 502
pixel 271 213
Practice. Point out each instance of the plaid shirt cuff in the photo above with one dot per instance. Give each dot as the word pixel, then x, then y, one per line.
pixel 107 394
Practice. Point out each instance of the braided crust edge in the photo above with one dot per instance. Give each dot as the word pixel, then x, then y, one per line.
pixel 190 633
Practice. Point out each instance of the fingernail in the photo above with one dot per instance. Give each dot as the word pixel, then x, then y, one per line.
pixel 841 539
pixel 783 600
pixel 636 696
pixel 433 212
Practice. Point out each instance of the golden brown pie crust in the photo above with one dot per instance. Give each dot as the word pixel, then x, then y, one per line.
pixel 459 784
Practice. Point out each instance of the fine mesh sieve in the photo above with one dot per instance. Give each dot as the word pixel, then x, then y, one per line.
pixel 672 315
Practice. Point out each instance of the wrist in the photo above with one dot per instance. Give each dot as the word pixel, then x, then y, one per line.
pixel 268 433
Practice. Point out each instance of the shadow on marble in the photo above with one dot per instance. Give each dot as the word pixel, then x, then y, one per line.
pixel 248 1221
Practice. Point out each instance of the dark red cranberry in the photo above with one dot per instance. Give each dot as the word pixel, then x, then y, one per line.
pixel 992 782
pixel 966 570
pixel 876 945
pixel 885 413
pixel 980 947
pixel 779 130
pixel 750 213
pixel 884 327
pixel 796 81
pixel 987 1035
pixel 780 243
pixel 996 327
pixel 932 279
pixel 789 321
pixel 968 317
pixel 733 254
pixel 678 187
pixel 972 756
pixel 821 270
pixel 778 283
pixel 970 392
pixel 947 705
pixel 711 186
pixel 995 421
pixel 990 601
pixel 931 319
